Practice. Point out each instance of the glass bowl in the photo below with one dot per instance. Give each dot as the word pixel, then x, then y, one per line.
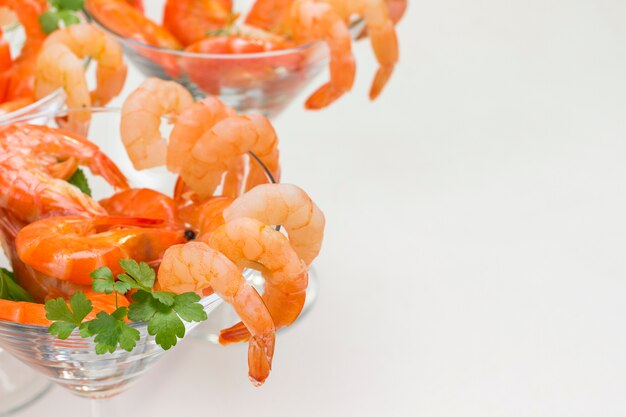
pixel 73 363
pixel 265 82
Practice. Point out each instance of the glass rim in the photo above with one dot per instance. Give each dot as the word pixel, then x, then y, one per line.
pixel 184 54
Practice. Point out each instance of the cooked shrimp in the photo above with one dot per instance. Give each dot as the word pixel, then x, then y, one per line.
pixel 269 14
pixel 31 194
pixel 190 125
pixel 312 21
pixel 86 40
pixel 195 267
pixel 61 151
pixel 192 20
pixel 126 20
pixel 207 216
pixel 70 248
pixel 137 4
pixel 381 31
pixel 250 243
pixel 141 120
pixel 144 203
pixel 40 286
pixel 230 138
pixel 35 314
pixel 288 206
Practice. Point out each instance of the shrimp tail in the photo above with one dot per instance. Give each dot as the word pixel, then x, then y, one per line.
pixel 234 334
pixel 380 80
pixel 106 168
pixel 128 221
pixel 260 352
pixel 323 97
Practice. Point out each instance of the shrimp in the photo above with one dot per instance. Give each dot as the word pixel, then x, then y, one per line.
pixel 141 120
pixel 207 216
pixel 286 205
pixel 250 243
pixel 21 75
pixel 310 21
pixel 70 248
pixel 381 31
pixel 60 151
pixel 144 203
pixel 269 14
pixel 194 267
pixel 40 286
pixel 190 125
pixel 31 194
pixel 230 138
pixel 137 4
pixel 191 20
pixel 86 40
pixel 35 314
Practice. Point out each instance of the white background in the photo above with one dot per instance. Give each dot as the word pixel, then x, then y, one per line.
pixel 474 260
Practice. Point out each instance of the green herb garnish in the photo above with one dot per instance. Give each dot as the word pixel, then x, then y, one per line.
pixel 60 11
pixel 78 179
pixel 9 288
pixel 163 311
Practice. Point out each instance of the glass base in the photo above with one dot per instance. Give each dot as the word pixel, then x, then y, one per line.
pixel 224 316
pixel 20 386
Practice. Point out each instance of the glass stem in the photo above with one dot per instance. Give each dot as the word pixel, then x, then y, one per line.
pixel 104 407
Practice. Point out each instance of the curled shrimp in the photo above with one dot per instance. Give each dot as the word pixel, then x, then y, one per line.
pixel 144 203
pixel 250 243
pixel 70 248
pixel 311 20
pixel 230 138
pixel 381 31
pixel 60 65
pixel 205 216
pixel 141 120
pixel 195 267
pixel 40 286
pixel 191 20
pixel 60 151
pixel 286 205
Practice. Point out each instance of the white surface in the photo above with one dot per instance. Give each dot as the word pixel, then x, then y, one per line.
pixel 474 261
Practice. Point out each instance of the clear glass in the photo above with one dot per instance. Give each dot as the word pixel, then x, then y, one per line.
pixel 73 363
pixel 264 82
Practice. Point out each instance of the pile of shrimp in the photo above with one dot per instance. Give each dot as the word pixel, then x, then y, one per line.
pixel 49 62
pixel 197 239
pixel 206 26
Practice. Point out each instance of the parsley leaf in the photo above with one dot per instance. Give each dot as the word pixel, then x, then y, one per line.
pixel 10 290
pixel 60 11
pixel 188 308
pixel 141 273
pixel 110 330
pixel 103 281
pixel 49 22
pixel 167 327
pixel 66 319
pixel 74 5
pixel 143 307
pixel 79 180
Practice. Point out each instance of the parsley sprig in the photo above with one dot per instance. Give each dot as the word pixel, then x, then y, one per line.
pixel 60 11
pixel 79 180
pixel 163 311
pixel 10 289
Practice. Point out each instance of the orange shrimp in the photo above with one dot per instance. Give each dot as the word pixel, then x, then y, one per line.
pixel 144 203
pixel 35 314
pixel 250 243
pixel 142 112
pixel 125 20
pixel 40 286
pixel 21 76
pixel 310 21
pixel 137 4
pixel 195 267
pixel 191 20
pixel 230 138
pixel 6 62
pixel 56 148
pixel 70 248
pixel 286 205
pixel 207 216
pixel 269 14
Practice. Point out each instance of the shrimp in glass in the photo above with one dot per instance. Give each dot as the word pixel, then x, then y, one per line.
pixel 144 203
pixel 205 217
pixel 196 267
pixel 252 244
pixel 60 152
pixel 71 247
pixel 40 286
pixel 286 205
pixel 230 138
pixel 141 120
pixel 191 20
